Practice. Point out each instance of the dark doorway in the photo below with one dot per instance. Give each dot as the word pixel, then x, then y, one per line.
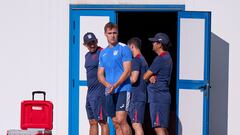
pixel 145 25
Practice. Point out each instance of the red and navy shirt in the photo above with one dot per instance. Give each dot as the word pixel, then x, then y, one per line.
pixel 95 88
pixel 162 68
pixel 139 87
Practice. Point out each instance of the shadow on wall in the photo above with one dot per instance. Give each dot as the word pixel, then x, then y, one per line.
pixel 218 106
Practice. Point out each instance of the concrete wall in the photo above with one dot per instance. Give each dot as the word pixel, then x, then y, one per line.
pixel 34 55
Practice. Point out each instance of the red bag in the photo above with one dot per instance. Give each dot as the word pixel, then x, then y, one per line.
pixel 37 113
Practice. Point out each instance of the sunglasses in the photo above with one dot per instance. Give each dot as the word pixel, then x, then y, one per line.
pixel 91 43
pixel 155 42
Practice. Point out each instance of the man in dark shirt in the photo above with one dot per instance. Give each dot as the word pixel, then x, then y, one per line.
pixel 95 102
pixel 159 97
pixel 139 86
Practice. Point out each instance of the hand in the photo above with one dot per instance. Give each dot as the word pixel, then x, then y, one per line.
pixel 153 79
pixel 109 89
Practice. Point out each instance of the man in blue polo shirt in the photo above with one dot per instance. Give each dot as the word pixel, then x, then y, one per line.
pixel 159 97
pixel 95 102
pixel 139 86
pixel 113 72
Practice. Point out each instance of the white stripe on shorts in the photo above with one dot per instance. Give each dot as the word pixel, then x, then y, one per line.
pixel 128 100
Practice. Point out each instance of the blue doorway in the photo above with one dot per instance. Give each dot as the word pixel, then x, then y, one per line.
pixel 79 17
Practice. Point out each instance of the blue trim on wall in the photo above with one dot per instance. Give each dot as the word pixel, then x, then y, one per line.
pixel 196 84
pixel 73 77
pixel 158 7
pixel 177 76
pixel 82 83
pixel 207 17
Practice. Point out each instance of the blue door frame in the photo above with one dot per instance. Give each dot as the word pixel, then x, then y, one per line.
pixel 197 84
pixel 74 82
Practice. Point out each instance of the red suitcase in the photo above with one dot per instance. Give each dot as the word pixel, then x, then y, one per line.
pixel 37 113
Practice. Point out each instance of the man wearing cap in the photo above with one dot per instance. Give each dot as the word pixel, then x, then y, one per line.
pixel 139 86
pixel 159 97
pixel 95 102
pixel 113 72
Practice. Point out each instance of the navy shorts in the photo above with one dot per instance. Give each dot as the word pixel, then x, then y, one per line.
pixel 117 102
pixel 159 114
pixel 136 111
pixel 96 109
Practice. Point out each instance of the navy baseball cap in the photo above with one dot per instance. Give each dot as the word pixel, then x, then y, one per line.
pixel 160 37
pixel 88 37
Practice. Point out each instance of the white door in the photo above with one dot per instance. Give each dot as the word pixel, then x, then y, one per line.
pixel 193 67
pixel 83 21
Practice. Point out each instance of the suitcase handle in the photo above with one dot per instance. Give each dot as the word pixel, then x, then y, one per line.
pixel 39 92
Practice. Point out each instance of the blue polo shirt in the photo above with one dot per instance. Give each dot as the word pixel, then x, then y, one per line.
pixel 95 88
pixel 162 68
pixel 139 88
pixel 111 59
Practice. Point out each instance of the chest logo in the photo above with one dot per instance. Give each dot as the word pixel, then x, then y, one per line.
pixel 115 52
pixel 104 54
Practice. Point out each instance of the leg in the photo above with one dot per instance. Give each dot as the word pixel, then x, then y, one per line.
pixel 138 128
pixel 117 126
pixel 159 117
pixel 122 120
pixel 102 116
pixel 110 108
pixel 104 128
pixel 136 114
pixel 93 127
pixel 93 130
pixel 122 106
pixel 161 131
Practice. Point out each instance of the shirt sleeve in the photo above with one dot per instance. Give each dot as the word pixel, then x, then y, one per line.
pixel 126 54
pixel 136 65
pixel 100 64
pixel 156 65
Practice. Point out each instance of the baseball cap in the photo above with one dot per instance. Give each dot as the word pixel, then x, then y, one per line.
pixel 160 37
pixel 88 37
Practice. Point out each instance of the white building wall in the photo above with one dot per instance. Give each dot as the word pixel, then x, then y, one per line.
pixel 33 56
pixel 225 24
pixel 34 53
pixel 126 1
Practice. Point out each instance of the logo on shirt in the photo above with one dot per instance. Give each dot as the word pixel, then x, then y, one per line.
pixel 115 52
pixel 104 54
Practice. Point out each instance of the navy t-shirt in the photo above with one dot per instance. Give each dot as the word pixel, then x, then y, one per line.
pixel 139 87
pixel 162 68
pixel 95 88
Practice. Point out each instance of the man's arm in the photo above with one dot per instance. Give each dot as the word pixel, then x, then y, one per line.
pixel 134 76
pixel 101 77
pixel 126 73
pixel 147 75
